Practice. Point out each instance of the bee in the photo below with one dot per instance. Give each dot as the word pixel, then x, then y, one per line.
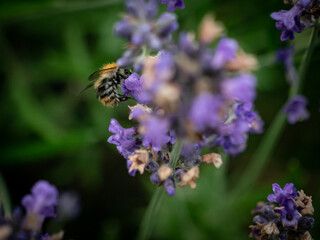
pixel 106 82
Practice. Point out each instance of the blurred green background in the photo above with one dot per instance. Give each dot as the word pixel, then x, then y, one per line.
pixel 48 49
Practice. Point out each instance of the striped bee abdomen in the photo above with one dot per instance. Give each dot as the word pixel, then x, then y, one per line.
pixel 107 92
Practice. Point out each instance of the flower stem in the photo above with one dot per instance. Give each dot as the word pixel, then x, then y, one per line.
pixel 149 219
pixel 297 88
pixel 4 197
pixel 272 136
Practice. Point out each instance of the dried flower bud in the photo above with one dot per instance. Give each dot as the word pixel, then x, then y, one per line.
pixel 189 177
pixel 242 62
pixel 164 172
pixel 139 111
pixel 305 236
pixel 213 158
pixel 210 29
pixel 271 228
pixel 139 160
pixel 168 97
pixel 305 203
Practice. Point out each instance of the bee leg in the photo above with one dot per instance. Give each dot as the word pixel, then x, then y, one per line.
pixel 123 98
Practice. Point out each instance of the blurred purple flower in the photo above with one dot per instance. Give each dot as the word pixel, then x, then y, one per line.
pixel 173 4
pixel 205 112
pixel 232 137
pixel 285 56
pixel 225 52
pixel 281 195
pixel 42 200
pixel 141 28
pixel 244 112
pixel 169 186
pixel 240 88
pixel 295 109
pixel 155 133
pixel 132 173
pixel 69 205
pixel 132 86
pixel 122 137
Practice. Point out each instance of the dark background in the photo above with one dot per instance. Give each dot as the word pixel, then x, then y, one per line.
pixel 48 49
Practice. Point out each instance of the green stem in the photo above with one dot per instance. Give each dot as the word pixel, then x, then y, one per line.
pixel 272 136
pixel 303 70
pixel 4 197
pixel 150 217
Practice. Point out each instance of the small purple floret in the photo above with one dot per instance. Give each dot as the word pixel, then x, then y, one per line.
pixel 232 137
pixel 295 109
pixel 170 187
pixel 132 86
pixel 289 215
pixel 240 88
pixel 204 112
pixel 281 195
pixel 288 22
pixel 42 200
pixel 224 53
pixel 122 137
pixel 156 133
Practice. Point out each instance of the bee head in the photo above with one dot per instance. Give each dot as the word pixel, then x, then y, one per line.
pixel 127 72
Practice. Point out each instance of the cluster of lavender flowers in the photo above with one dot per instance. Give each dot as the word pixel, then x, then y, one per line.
pixel 301 16
pixel 190 93
pixel 141 27
pixel 39 205
pixel 290 219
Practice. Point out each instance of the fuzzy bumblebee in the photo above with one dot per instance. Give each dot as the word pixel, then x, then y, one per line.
pixel 106 82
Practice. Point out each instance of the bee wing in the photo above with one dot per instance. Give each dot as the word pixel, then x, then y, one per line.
pixel 98 73
pixel 89 86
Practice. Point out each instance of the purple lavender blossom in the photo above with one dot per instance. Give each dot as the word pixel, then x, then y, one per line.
pixel 190 153
pixel 224 53
pixel 205 112
pixel 122 137
pixel 287 221
pixel 141 28
pixel 154 178
pixel 42 200
pixel 156 133
pixel 244 112
pixel 286 57
pixel 232 137
pixel 173 4
pixel 289 215
pixel 281 195
pixel 240 88
pixel 288 22
pixel 169 186
pixel 295 109
pixel 132 86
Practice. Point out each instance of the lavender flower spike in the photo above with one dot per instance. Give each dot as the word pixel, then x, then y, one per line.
pixel 286 221
pixel 281 195
pixel 295 109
